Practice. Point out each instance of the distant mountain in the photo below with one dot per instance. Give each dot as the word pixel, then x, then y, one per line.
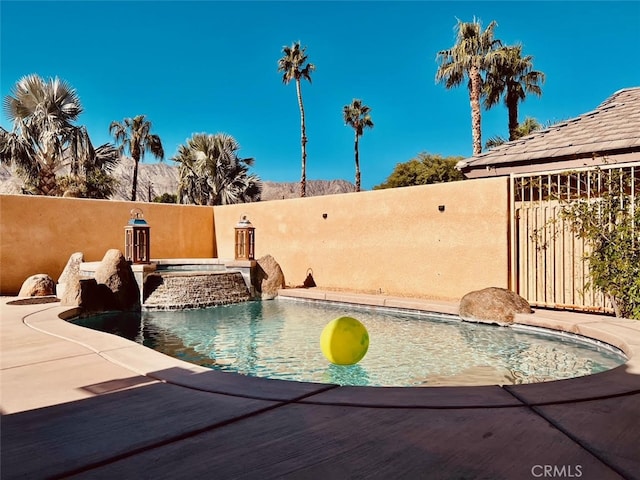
pixel 159 178
pixel 315 188
pixel 9 183
pixel 156 178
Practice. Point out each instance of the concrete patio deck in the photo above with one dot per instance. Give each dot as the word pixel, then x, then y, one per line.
pixel 78 403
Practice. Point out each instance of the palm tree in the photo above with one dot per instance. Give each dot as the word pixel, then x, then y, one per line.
pixel 523 129
pixel 94 180
pixel 472 54
pixel 135 135
pixel 527 127
pixel 512 77
pixel 292 65
pixel 44 141
pixel 357 116
pixel 211 172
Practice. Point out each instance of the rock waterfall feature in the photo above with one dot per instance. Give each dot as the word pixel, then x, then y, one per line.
pixel 178 290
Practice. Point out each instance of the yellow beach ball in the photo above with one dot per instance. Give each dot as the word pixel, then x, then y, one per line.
pixel 344 341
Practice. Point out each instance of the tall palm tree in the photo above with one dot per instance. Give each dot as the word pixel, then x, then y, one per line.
pixel 45 143
pixel 294 66
pixel 211 172
pixel 134 134
pixel 472 54
pixel 356 115
pixel 512 76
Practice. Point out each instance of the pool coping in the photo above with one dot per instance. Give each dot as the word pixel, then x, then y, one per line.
pixel 621 333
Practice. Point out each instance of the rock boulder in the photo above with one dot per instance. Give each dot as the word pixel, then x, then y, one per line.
pixel 69 282
pixel 115 273
pixel 269 277
pixel 492 305
pixel 39 285
pixel 94 297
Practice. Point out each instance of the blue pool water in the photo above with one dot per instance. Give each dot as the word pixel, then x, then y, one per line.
pixel 280 339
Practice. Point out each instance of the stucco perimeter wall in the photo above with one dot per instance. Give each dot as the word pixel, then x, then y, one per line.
pixel 39 234
pixel 392 241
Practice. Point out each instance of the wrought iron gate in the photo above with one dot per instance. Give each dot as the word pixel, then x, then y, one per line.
pixel 548 265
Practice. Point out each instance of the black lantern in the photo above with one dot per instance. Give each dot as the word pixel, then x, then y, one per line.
pixel 245 239
pixel 136 238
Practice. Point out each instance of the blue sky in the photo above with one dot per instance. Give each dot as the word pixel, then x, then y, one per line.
pixel 210 66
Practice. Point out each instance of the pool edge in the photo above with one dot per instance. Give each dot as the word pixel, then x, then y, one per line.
pixel 49 319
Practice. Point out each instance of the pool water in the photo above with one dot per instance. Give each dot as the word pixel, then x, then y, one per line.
pixel 281 339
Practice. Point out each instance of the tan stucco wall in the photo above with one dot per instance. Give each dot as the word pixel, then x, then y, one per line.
pixel 38 234
pixel 391 241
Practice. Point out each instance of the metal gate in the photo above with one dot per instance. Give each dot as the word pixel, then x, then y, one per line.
pixel 548 265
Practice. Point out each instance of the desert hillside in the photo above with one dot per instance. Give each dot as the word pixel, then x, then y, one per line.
pixel 159 178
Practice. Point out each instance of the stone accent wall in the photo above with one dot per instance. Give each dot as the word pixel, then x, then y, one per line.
pixel 176 290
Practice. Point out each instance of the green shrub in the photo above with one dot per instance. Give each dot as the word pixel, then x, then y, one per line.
pixel 609 222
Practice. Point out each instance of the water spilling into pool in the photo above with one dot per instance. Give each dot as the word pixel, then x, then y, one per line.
pixel 280 339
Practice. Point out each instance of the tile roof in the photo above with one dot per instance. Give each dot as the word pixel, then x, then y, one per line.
pixel 613 126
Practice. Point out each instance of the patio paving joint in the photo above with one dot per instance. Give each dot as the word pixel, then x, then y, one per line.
pixel 411 407
pixel 534 408
pixel 577 400
pixel 186 435
pixel 298 399
pixel 44 362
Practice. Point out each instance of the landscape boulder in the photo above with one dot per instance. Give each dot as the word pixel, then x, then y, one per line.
pixel 268 277
pixel 115 273
pixel 94 297
pixel 492 305
pixel 39 285
pixel 68 288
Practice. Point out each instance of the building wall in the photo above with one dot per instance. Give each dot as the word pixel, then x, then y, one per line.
pixel 39 234
pixel 392 241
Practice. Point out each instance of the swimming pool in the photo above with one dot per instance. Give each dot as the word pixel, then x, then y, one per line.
pixel 280 339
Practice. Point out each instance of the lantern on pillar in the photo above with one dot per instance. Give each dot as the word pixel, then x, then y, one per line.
pixel 245 239
pixel 136 238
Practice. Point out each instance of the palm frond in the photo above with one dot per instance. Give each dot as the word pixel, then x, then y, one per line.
pixel 212 173
pixel 45 144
